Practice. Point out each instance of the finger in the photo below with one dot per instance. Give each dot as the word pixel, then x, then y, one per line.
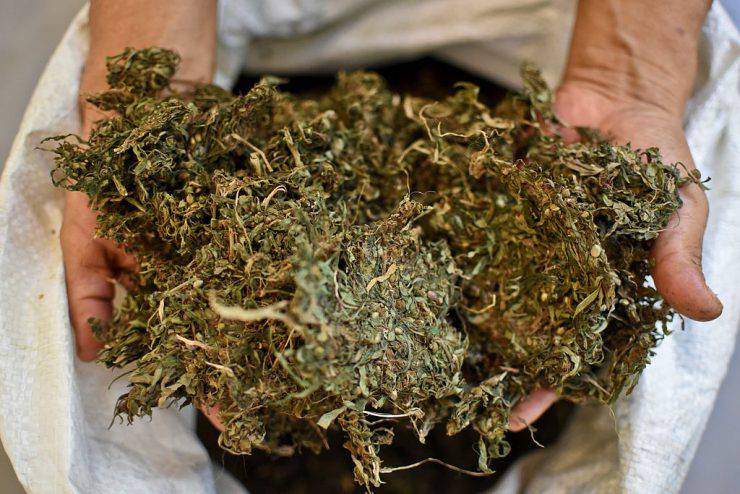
pixel 89 289
pixel 677 254
pixel 530 408
pixel 89 265
pixel 576 108
pixel 211 413
pixel 122 263
pixel 677 251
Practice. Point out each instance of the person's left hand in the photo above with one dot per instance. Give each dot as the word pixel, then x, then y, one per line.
pixel 677 251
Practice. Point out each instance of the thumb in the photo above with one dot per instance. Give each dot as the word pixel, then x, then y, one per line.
pixel 677 254
pixel 677 250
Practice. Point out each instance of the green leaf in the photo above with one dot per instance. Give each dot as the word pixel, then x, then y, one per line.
pixel 329 417
pixel 586 302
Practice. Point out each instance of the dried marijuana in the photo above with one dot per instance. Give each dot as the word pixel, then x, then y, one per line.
pixel 365 260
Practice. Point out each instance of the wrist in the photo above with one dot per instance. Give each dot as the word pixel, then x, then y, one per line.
pixel 597 93
pixel 192 71
pixel 633 84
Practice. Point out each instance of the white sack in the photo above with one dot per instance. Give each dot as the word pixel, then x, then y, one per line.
pixel 55 411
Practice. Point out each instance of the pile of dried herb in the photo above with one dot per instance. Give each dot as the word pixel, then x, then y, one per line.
pixel 365 260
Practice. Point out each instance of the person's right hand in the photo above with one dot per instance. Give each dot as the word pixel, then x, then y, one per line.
pixel 90 267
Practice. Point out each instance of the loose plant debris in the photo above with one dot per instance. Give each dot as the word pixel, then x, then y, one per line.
pixel 363 260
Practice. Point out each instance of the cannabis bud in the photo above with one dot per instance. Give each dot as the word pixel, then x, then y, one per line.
pixel 364 260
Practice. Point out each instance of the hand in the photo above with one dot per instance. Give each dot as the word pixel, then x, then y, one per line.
pixel 677 250
pixel 90 267
pixel 630 70
pixel 211 413
pixel 189 27
pixel 530 408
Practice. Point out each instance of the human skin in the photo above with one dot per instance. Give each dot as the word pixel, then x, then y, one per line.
pixel 187 26
pixel 630 72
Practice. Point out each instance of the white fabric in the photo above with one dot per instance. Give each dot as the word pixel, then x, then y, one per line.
pixel 490 37
pixel 55 411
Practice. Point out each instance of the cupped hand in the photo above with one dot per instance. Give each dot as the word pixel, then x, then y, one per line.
pixel 677 251
pixel 90 267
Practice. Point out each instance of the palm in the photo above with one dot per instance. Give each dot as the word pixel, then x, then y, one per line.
pixel 90 265
pixel 677 251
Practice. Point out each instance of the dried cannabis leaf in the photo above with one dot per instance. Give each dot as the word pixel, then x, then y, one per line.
pixel 364 259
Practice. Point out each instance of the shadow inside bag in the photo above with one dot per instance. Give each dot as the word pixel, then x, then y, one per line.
pixel 331 471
